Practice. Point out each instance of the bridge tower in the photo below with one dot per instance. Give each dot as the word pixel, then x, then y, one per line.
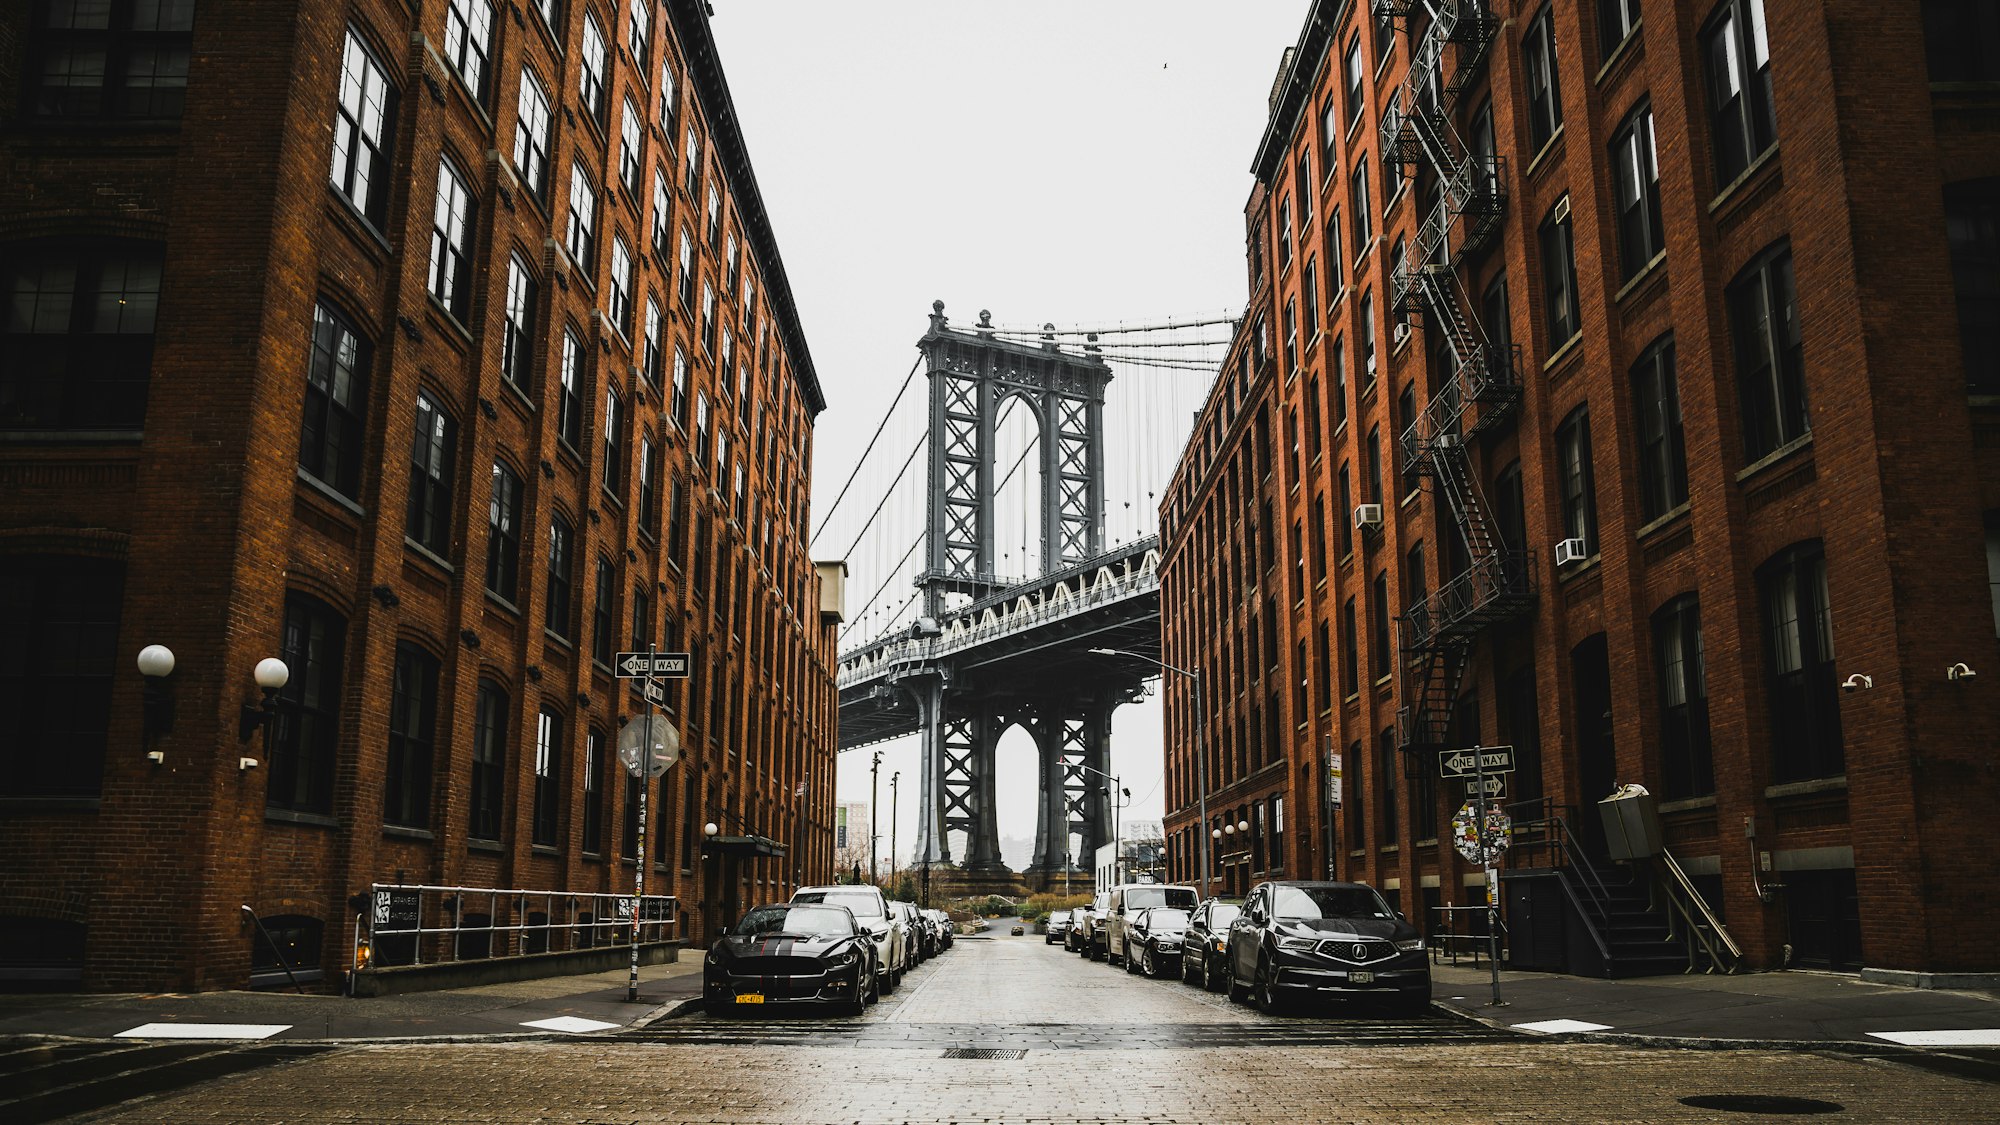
pixel 972 375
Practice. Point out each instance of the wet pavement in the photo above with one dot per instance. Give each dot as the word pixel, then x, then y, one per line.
pixel 1011 1030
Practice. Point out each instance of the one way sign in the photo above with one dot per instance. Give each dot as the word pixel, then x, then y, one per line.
pixel 671 665
pixel 1490 759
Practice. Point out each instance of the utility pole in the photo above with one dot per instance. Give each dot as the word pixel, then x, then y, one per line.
pixel 894 778
pixel 874 801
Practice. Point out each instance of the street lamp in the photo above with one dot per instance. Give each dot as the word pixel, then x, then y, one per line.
pixel 1200 758
pixel 271 676
pixel 156 663
pixel 1117 840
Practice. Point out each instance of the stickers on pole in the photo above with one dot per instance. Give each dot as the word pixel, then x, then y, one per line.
pixel 1465 833
pixel 651 743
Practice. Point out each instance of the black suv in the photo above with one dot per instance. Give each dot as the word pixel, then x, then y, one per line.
pixel 1204 957
pixel 1325 939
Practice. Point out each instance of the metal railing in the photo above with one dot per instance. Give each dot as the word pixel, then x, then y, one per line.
pixel 409 924
pixel 1708 931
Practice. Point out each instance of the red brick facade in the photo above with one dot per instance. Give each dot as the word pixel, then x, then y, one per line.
pixel 1893 482
pixel 216 520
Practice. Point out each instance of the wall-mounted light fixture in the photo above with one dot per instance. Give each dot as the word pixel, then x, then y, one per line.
pixel 156 663
pixel 271 675
pixel 1959 672
pixel 1856 682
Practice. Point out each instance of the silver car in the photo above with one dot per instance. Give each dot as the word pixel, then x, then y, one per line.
pixel 886 927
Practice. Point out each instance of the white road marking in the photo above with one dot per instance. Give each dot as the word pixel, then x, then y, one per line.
pixel 1552 1027
pixel 1971 1037
pixel 572 1024
pixel 204 1031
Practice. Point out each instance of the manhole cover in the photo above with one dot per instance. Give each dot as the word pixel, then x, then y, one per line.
pixel 1761 1103
pixel 982 1053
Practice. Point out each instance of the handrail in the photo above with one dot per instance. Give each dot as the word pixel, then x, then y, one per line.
pixel 1583 915
pixel 283 961
pixel 1686 888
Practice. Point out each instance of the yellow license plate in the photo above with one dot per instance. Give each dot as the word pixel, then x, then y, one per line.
pixel 1355 978
pixel 750 998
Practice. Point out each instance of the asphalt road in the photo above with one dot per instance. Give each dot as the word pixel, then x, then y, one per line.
pixel 1062 1040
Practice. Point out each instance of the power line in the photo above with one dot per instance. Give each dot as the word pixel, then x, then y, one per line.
pixel 827 518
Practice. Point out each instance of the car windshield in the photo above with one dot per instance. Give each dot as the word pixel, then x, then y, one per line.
pixel 1165 919
pixel 1328 902
pixel 1221 914
pixel 823 921
pixel 1059 916
pixel 863 903
pixel 1139 898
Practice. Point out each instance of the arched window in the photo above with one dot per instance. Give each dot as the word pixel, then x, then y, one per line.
pixel 59 619
pixel 1806 738
pixel 1687 765
pixel 303 740
pixel 79 334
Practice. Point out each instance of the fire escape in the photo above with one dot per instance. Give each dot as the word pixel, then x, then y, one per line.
pixel 1476 385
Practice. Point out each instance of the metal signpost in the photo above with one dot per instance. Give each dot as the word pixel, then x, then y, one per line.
pixel 647 749
pixel 1333 780
pixel 1471 765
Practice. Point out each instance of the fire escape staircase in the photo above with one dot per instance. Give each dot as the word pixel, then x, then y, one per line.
pixel 1480 389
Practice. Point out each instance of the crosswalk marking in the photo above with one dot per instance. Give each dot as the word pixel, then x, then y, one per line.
pixel 1970 1037
pixel 1555 1027
pixel 204 1031
pixel 572 1024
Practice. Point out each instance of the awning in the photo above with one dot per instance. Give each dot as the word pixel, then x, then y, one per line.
pixel 741 845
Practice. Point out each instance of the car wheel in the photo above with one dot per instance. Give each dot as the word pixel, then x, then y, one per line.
pixel 887 982
pixel 858 1003
pixel 1238 992
pixel 1148 967
pixel 1132 964
pixel 874 985
pixel 1100 951
pixel 1269 1001
pixel 1212 978
pixel 1187 968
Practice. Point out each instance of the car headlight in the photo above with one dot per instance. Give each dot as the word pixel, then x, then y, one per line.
pixel 1222 945
pixel 845 959
pixel 1410 946
pixel 1297 944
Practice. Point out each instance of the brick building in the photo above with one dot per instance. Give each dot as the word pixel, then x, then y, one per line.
pixel 1618 387
pixel 441 351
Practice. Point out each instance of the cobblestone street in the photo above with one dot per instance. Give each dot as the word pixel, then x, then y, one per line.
pixel 1097 1045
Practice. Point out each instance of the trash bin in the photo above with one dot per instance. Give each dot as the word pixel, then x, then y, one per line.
pixel 1631 823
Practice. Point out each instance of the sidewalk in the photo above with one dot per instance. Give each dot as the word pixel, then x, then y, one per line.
pixel 1777 1007
pixel 530 1008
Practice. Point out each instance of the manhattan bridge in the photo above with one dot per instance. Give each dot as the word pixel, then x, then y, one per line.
pixel 984 577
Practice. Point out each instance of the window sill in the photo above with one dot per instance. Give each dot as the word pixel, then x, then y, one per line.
pixel 30 806
pixel 1735 187
pixel 520 394
pixel 1542 154
pixel 1772 458
pixel 1573 571
pixel 449 318
pixel 329 492
pixel 359 219
pixel 544 849
pixel 549 634
pixel 1806 788
pixel 1672 515
pixel 72 437
pixel 427 554
pixel 399 832
pixel 1687 804
pixel 1389 849
pixel 1628 48
pixel 1639 279
pixel 503 603
pixel 485 847
pixel 290 816
pixel 1410 497
pixel 1428 842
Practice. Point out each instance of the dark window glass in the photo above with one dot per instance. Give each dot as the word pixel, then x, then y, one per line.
pixel 362 130
pixel 557 601
pixel 649 470
pixel 1354 798
pixel 333 434
pixel 109 58
pixel 593 792
pixel 601 640
pixel 1962 38
pixel 1662 449
pixel 1350 650
pixel 406 794
pixel 1806 740
pixel 614 442
pixel 1972 226
pixel 1364 229
pixel 1579 491
pixel 1510 516
pixel 1357 76
pixel 1380 663
pixel 452 221
pixel 1616 21
pixel 1538 50
pixel 677 500
pixel 548 777
pixel 433 450
pixel 1387 768
pixel 58 652
pixel 1770 358
pixel 1559 276
pixel 591 75
pixel 1738 61
pixel 517 340
pixel 503 532
pixel 78 335
pixel 531 135
pixel 569 407
pixel 468 41
pixel 1406 419
pixel 1635 176
pixel 489 762
pixel 1687 767
pixel 307 727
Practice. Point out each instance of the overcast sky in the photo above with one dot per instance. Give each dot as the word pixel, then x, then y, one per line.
pixel 1082 162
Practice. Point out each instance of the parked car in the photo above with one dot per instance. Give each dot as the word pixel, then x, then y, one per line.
pixel 1086 928
pixel 1325 939
pixel 923 943
pixel 884 928
pixel 1058 928
pixel 1204 954
pixel 1153 946
pixel 941 922
pixel 792 953
pixel 1127 899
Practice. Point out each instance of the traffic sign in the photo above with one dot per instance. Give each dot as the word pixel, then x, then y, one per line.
pixel 672 665
pixel 1468 834
pixel 1493 786
pixel 1478 759
pixel 649 743
pixel 656 692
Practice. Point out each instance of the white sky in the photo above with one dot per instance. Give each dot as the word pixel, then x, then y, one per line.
pixel 1081 162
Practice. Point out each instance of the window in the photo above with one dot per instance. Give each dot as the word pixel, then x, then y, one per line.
pixel 614 442
pixel 468 41
pixel 680 388
pixel 1381 661
pixel 1962 40
pixel 1662 449
pixel 1356 74
pixel 1309 297
pixel 594 759
pixel 103 59
pixel 1687 767
pixel 1337 367
pixel 1635 175
pixel 551 13
pixel 548 776
pixel 1329 139
pixel 1559 276
pixel 663 211
pixel 707 318
pixel 516 358
pixel 1616 21
pixel 1335 267
pixel 1318 517
pixel 489 762
pixel 1770 360
pixel 1364 235
pixel 569 407
pixel 590 76
pixel 1375 464
pixel 433 451
pixel 556 600
pixel 1284 235
pixel 78 334
pixel 580 232
pixel 732 258
pixel 638 31
pixel 1972 227
pixel 1510 507
pixel 503 532
pixel 649 517
pixel 1494 317
pixel 687 271
pixel 728 357
pixel 531 135
pixel 712 224
pixel 1385 38
pixel 650 363
pixel 1392 180
pixel 59 652
pixel 1579 492
pixel 1738 56
pixel 700 427
pixel 619 307
pixel 1304 186
pixel 451 224
pixel 1538 49
pixel 1386 768
pixel 331 436
pixel 677 521
pixel 306 730
pixel 1291 338
pixel 1354 805
pixel 642 620
pixel 691 163
pixel 361 141
pixel 669 90
pixel 1406 420
pixel 406 794
pixel 1806 740
pixel 1350 652
pixel 630 133
pixel 1368 366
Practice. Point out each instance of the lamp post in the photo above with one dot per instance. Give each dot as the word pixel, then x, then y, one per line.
pixel 894 780
pixel 874 809
pixel 156 663
pixel 1200 758
pixel 1117 841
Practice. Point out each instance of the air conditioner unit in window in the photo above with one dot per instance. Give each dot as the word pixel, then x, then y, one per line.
pixel 1570 551
pixel 1401 333
pixel 1447 441
pixel 1367 515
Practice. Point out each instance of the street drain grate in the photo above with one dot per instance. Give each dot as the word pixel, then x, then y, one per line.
pixel 982 1053
pixel 1761 1103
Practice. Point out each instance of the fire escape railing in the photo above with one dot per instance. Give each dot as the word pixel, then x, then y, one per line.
pixel 1480 386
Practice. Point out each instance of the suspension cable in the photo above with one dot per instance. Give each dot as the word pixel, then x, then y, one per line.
pixel 827 517
pixel 1038 330
pixel 922 440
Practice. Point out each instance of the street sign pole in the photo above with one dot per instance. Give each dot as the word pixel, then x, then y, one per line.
pixel 639 866
pixel 1492 876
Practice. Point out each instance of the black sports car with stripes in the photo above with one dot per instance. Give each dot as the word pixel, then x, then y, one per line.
pixel 791 953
